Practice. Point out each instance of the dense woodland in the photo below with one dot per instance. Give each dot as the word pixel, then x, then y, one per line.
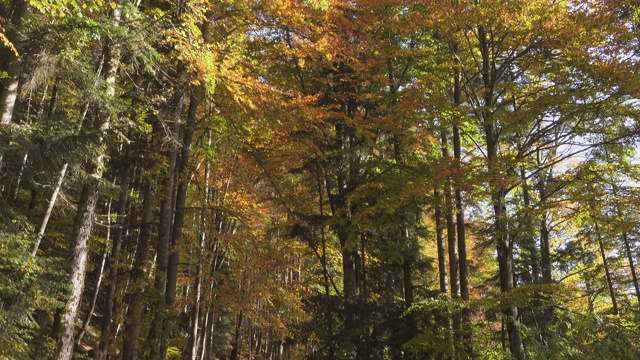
pixel 319 179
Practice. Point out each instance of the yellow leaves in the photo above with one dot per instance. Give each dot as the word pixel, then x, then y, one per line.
pixel 4 41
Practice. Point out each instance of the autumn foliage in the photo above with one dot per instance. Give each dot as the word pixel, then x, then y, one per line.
pixel 296 179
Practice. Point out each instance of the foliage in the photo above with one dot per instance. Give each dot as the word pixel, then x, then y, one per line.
pixel 26 288
pixel 291 179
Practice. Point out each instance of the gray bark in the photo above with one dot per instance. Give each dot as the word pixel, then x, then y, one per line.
pixel 77 265
pixel 96 289
pixel 134 314
pixel 10 84
pixel 86 209
pixel 612 292
pixel 442 260
pixel 114 262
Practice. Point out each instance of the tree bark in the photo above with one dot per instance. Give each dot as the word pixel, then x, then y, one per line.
pixel 181 180
pixel 181 194
pixel 612 291
pixel 96 289
pixel 499 193
pixel 193 342
pixel 442 261
pixel 452 246
pixel 86 209
pixel 236 339
pixel 114 262
pixel 10 83
pixel 77 266
pixel 52 202
pixel 627 247
pixel 526 227
pixel 136 307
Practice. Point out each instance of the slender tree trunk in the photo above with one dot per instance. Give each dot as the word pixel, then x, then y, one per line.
pixel 545 249
pixel 45 220
pixel 192 353
pixel 86 209
pixel 202 345
pixel 158 338
pixel 235 352
pixel 98 284
pixel 114 262
pixel 462 254
pixel 527 227
pixel 181 181
pixel 181 193
pixel 499 193
pixel 505 263
pixel 10 83
pixel 460 223
pixel 634 276
pixel 612 291
pixel 627 247
pixel 136 307
pixel 452 246
pixel 77 266
pixel 442 261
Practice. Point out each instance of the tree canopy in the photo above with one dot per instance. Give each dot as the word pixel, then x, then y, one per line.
pixel 295 179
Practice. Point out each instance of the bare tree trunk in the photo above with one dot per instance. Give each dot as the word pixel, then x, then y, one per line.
pixel 182 181
pixel 462 246
pixel 442 261
pixel 545 241
pixel 627 247
pixel 114 262
pixel 192 352
pixel 158 338
pixel 45 220
pixel 235 352
pixel 612 291
pixel 96 290
pixel 452 246
pixel 205 335
pixel 86 209
pixel 505 263
pixel 501 230
pixel 10 83
pixel 134 314
pixel 77 266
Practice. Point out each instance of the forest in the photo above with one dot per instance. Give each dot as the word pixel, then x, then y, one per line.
pixel 319 179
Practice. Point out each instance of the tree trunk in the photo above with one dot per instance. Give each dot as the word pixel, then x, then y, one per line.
pixel 138 279
pixel 86 209
pixel 235 352
pixel 96 290
pixel 114 262
pixel 499 192
pixel 157 336
pixel 442 261
pixel 505 263
pixel 10 83
pixel 627 247
pixel 545 241
pixel 181 193
pixel 462 245
pixel 192 352
pixel 45 220
pixel 612 291
pixel 452 246
pixel 77 266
